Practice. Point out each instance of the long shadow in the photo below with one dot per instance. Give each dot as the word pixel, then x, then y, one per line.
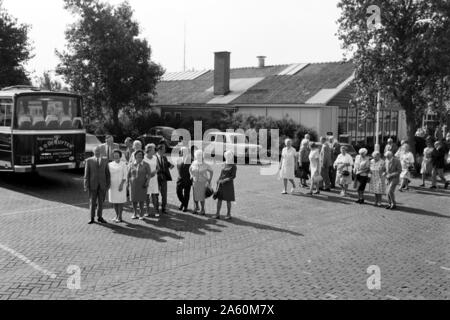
pixel 421 212
pixel 327 197
pixel 140 231
pixel 259 226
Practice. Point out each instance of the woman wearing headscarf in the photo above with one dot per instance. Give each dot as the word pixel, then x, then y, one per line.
pixel 362 171
pixel 117 192
pixel 184 182
pixel 343 166
pixel 138 179
pixel 153 188
pixel 225 190
pixel 287 165
pixel 377 183
pixel 303 162
pixel 201 175
pixel 314 165
pixel 407 160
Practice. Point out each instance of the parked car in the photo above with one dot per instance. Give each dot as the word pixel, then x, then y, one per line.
pixel 219 142
pixel 157 135
pixel 91 142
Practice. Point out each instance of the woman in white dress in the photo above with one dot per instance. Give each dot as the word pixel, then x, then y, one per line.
pixel 201 175
pixel 153 189
pixel 117 192
pixel 344 166
pixel 287 165
pixel 314 167
pixel 407 161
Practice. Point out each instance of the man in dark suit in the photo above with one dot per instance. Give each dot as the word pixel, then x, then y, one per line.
pixel 163 171
pixel 335 149
pixel 325 162
pixel 97 180
pixel 107 149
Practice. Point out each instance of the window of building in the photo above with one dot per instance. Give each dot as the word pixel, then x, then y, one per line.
pixel 352 124
pixel 167 116
pixel 342 121
pixel 178 116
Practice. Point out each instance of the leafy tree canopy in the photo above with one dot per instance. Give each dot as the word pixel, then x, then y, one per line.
pixel 15 50
pixel 106 61
pixel 407 57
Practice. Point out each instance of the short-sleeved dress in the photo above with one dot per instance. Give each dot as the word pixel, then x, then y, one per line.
pixel 343 163
pixel 427 166
pixel 199 173
pixel 137 176
pixel 153 187
pixel 288 163
pixel 118 173
pixel 377 184
pixel 226 190
pixel 407 160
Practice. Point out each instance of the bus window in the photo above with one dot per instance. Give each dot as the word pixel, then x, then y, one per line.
pixel 5 113
pixel 49 112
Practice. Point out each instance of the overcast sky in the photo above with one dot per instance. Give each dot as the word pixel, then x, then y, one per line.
pixel 286 31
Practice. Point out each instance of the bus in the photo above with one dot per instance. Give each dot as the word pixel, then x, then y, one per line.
pixel 40 130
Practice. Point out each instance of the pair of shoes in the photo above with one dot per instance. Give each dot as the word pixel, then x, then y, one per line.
pixel 228 218
pixel 147 215
pixel 134 217
pixel 284 192
pixel 181 208
pixel 203 213
pixel 358 201
pixel 185 209
pixel 141 218
pixel 91 222
pixel 389 207
pixel 311 193
pixel 101 220
pixel 327 190
pixel 217 217
pixel 433 187
pixel 317 192
pixel 393 207
pixel 422 185
pixel 115 220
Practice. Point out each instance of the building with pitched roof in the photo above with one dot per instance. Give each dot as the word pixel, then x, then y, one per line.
pixel 316 95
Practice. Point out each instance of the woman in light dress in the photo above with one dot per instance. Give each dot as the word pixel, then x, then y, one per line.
pixel 153 189
pixel 138 181
pixel 117 193
pixel 287 165
pixel 314 168
pixel 407 161
pixel 362 171
pixel 377 183
pixel 427 166
pixel 343 166
pixel 201 174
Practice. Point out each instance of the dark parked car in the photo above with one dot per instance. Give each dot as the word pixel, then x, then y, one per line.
pixel 157 135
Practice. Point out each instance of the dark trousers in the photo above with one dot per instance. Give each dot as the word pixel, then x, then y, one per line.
pixel 184 194
pixel 163 191
pixel 325 173
pixel 97 198
pixel 332 176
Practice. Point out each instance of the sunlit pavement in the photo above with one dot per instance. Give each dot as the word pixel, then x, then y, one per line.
pixel 276 247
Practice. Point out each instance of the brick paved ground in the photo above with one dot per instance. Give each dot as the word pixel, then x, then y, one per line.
pixel 277 247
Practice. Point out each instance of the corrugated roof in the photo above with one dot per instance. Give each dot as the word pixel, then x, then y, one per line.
pixel 297 88
pixel 237 88
pixel 324 96
pixel 184 75
pixel 293 69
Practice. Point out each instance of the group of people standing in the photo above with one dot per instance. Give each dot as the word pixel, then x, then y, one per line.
pixel 141 176
pixel 327 164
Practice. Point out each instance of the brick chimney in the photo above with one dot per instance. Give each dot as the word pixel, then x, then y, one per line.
pixel 221 73
pixel 261 61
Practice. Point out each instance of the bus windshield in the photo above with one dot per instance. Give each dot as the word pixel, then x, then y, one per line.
pixel 48 112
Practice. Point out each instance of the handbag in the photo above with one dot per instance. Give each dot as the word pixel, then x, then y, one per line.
pixel 209 191
pixel 216 193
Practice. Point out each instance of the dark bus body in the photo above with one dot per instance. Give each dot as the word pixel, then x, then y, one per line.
pixel 40 130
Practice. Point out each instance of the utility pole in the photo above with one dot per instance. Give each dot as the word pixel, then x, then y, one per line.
pixel 377 125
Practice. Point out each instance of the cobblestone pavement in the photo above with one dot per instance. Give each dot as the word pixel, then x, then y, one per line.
pixel 276 247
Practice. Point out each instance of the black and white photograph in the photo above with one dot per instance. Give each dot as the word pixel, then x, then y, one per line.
pixel 224 156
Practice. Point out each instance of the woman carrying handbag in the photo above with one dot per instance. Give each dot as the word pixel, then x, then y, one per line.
pixel 225 185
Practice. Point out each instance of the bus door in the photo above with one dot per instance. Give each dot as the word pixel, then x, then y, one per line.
pixel 6 134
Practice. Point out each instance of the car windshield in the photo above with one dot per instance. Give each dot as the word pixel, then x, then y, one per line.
pixel 90 139
pixel 47 112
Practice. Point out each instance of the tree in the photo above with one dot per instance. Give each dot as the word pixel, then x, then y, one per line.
pixel 15 50
pixel 106 60
pixel 407 57
pixel 46 82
